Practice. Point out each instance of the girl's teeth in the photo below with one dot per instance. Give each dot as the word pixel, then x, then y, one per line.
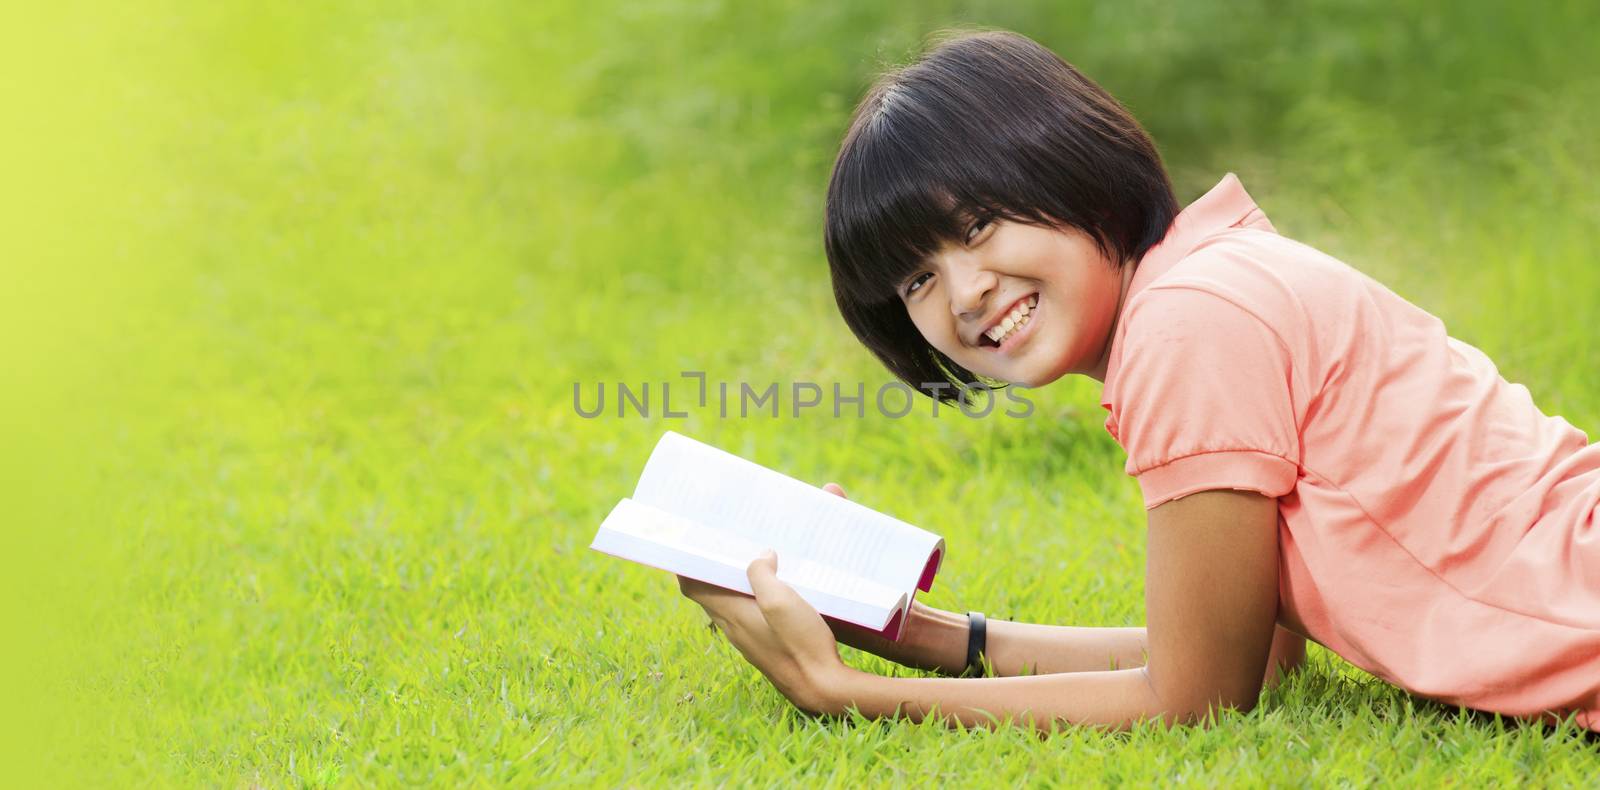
pixel 1013 320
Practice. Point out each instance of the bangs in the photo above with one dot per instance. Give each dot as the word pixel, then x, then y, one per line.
pixel 887 213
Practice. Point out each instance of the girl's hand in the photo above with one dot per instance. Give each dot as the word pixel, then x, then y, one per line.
pixel 777 632
pixel 930 639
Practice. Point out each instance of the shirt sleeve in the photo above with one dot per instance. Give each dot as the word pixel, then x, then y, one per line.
pixel 1206 398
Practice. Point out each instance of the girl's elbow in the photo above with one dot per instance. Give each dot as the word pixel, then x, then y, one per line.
pixel 1197 703
pixel 1204 714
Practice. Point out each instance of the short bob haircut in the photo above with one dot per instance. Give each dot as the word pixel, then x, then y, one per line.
pixel 984 124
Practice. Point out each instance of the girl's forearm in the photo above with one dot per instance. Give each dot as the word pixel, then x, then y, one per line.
pixel 1112 699
pixel 1031 649
pixel 1057 648
pixel 936 640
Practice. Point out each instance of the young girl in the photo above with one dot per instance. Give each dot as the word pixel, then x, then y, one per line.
pixel 1318 458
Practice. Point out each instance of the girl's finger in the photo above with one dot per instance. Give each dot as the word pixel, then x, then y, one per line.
pixel 835 489
pixel 773 596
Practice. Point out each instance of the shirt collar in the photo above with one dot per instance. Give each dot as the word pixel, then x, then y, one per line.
pixel 1225 206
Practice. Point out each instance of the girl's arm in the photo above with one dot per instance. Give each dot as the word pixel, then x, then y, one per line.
pixel 1211 598
pixel 936 640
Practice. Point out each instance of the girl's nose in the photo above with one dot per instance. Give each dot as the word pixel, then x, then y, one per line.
pixel 971 284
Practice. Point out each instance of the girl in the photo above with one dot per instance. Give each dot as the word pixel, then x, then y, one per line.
pixel 1318 458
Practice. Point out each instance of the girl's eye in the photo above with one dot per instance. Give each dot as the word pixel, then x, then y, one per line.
pixel 977 228
pixel 916 282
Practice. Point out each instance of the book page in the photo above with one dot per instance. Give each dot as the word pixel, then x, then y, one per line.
pixel 741 498
pixel 635 531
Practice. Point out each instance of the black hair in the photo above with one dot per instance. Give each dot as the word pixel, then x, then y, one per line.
pixel 987 124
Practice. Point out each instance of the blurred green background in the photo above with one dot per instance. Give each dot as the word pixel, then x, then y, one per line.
pixel 295 297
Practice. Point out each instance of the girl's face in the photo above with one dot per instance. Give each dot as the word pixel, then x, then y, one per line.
pixel 1054 288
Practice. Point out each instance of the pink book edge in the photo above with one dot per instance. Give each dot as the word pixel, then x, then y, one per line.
pixel 892 631
pixel 926 582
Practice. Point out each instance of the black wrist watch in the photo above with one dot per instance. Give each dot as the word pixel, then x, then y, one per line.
pixel 977 639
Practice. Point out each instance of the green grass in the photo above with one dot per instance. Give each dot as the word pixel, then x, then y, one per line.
pixel 300 297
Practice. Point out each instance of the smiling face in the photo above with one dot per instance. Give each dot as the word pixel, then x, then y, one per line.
pixel 996 124
pixel 1050 298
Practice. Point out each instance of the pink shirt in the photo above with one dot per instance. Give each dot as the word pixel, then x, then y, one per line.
pixel 1435 527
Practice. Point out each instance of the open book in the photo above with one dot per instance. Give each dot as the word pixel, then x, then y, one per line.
pixel 706 514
